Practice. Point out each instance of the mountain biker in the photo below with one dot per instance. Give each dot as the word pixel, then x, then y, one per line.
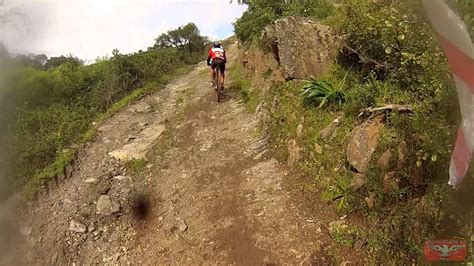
pixel 217 59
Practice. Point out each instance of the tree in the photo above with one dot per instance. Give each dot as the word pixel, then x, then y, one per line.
pixel 187 37
pixel 30 60
pixel 54 62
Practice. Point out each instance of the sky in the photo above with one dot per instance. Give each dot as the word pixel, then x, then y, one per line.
pixel 90 29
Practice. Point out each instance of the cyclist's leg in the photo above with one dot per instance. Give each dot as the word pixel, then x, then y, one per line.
pixel 223 74
pixel 212 73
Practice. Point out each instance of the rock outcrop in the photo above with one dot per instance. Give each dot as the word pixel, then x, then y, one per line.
pixel 364 142
pixel 140 146
pixel 303 47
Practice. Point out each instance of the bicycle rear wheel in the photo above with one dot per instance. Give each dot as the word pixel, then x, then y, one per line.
pixel 219 85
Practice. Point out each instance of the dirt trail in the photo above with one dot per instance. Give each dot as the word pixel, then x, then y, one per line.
pixel 213 192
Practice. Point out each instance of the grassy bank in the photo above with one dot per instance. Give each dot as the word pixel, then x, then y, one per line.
pixel 389 56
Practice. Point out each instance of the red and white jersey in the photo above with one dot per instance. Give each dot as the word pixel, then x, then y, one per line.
pixel 217 53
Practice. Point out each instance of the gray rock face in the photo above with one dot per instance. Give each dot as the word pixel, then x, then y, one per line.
pixel 364 141
pixel 139 148
pixel 302 46
pixel 107 206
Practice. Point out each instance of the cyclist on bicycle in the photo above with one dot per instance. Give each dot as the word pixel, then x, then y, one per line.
pixel 217 59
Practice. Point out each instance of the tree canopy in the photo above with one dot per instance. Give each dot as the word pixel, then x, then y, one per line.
pixel 186 37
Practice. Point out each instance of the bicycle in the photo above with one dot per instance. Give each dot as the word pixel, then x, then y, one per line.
pixel 218 84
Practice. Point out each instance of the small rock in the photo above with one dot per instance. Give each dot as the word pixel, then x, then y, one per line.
pixel 77 227
pixel 91 180
pixel 121 177
pixel 384 160
pixel 260 155
pixel 299 130
pixel 141 107
pixel 294 153
pixel 318 148
pixel 357 182
pixel 26 231
pixel 112 258
pixel 182 226
pixel 390 182
pixel 149 166
pixel 91 228
pixel 370 200
pixel 107 206
pixel 104 186
pixel 329 130
pixel 359 244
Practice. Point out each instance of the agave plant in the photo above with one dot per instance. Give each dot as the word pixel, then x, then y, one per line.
pixel 322 92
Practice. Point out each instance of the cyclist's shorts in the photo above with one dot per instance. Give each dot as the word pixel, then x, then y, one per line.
pixel 218 63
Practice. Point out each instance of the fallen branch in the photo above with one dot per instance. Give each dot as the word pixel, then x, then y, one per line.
pixel 390 107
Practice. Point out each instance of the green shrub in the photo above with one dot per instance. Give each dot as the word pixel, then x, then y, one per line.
pixel 322 92
pixel 260 13
pixel 53 107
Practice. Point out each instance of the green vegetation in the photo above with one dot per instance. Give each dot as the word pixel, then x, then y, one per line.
pixel 260 13
pixel 243 86
pixel 322 92
pixel 56 103
pixel 136 166
pixel 389 55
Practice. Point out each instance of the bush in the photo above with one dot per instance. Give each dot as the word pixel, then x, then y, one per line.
pixel 53 106
pixel 322 92
pixel 260 13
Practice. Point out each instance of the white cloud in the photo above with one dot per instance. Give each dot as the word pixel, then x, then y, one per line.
pixel 92 28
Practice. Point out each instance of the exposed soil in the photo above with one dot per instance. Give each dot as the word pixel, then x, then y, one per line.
pixel 210 193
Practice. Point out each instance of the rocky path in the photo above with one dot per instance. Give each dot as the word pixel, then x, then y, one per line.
pixel 207 191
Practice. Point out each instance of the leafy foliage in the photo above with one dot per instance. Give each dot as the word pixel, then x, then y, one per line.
pixel 53 102
pixel 323 92
pixel 260 13
pixel 185 37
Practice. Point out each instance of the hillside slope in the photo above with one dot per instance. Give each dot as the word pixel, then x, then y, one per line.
pixel 209 192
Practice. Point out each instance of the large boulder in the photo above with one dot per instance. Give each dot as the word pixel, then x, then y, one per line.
pixel 303 47
pixel 364 141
